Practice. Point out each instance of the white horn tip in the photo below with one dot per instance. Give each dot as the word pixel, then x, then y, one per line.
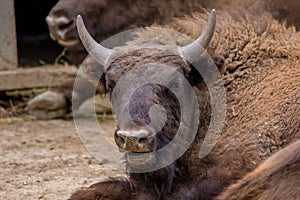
pixel 79 19
pixel 213 12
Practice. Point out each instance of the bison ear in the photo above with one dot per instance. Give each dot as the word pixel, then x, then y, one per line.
pixel 194 76
pixel 219 62
pixel 94 73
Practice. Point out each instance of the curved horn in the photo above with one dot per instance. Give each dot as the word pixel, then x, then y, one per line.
pixel 192 51
pixel 97 51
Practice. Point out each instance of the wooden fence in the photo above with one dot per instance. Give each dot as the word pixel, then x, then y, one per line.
pixel 13 77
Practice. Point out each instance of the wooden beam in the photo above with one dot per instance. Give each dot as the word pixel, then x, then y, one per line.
pixel 36 77
pixel 8 42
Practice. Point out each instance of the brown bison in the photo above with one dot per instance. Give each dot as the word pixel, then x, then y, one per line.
pixel 276 178
pixel 259 61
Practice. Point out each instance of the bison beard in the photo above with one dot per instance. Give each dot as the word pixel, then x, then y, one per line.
pixel 158 182
pixel 261 61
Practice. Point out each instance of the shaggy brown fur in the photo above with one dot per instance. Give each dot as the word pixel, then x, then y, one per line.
pixel 256 49
pixel 276 178
pixel 261 58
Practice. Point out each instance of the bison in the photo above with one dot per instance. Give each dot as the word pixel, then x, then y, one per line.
pixel 276 178
pixel 258 58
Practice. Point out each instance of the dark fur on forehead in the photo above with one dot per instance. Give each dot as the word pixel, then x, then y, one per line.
pixel 127 61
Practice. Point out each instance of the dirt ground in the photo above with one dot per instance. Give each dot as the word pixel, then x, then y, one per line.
pixel 46 159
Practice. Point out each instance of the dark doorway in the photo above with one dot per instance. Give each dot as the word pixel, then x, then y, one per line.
pixel 35 46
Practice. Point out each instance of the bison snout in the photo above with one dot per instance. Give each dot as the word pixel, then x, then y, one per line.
pixel 135 141
pixel 59 27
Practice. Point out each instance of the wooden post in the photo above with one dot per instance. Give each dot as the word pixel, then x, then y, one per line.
pixel 8 42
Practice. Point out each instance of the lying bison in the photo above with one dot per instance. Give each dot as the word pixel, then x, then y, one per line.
pixel 277 178
pixel 259 61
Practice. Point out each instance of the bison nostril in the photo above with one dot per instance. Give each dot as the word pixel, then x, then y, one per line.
pixel 142 140
pixel 121 139
pixel 60 23
pixel 65 26
pixel 134 140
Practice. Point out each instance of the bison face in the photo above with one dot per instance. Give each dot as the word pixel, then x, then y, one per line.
pixel 147 113
pixel 149 84
pixel 137 132
pixel 61 21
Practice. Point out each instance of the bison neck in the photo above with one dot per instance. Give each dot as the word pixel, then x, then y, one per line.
pixel 158 182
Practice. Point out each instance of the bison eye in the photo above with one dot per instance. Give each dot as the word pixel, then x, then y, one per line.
pixel 110 85
pixel 109 88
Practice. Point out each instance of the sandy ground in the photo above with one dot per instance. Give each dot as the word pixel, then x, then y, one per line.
pixel 46 159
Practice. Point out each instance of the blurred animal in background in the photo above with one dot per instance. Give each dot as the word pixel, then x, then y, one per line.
pixel 259 63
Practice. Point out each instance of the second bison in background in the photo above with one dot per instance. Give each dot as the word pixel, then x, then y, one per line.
pixel 259 61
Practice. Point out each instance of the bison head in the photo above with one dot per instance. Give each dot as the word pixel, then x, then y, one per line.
pixel 149 113
pixel 62 26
